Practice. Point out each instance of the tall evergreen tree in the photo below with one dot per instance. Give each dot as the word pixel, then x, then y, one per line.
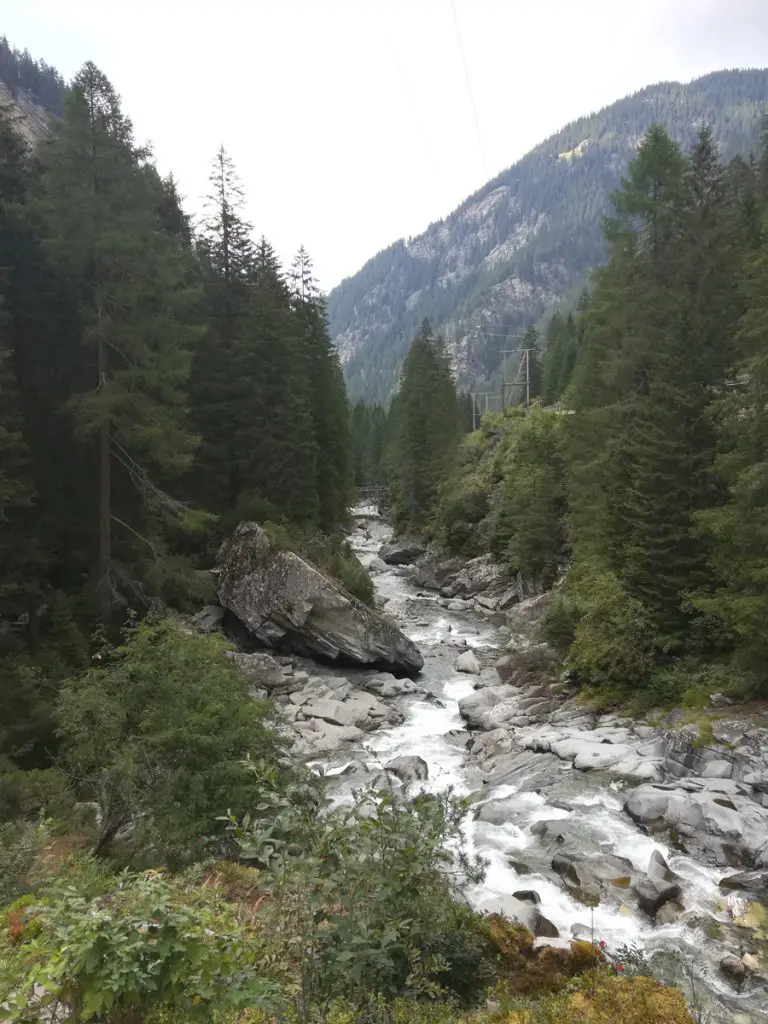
pixel 426 429
pixel 228 266
pixel 274 439
pixel 99 212
pixel 329 405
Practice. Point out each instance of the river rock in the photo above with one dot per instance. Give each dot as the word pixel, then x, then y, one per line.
pixel 376 565
pixel 409 768
pixel 658 869
pixel 719 700
pixel 746 881
pixel 733 968
pixel 652 894
pixel 467 662
pixel 260 670
pixel 403 551
pixel 316 736
pixel 283 599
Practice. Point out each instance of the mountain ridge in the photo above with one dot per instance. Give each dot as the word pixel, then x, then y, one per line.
pixel 523 242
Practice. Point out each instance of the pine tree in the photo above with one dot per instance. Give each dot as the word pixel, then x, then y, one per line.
pixel 274 439
pixel 99 211
pixel 329 405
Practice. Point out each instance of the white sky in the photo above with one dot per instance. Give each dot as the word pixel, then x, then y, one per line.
pixel 350 120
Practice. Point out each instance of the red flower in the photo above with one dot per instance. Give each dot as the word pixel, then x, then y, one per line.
pixel 619 967
pixel 602 943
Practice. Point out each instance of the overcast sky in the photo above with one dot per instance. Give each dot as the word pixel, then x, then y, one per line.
pixel 350 121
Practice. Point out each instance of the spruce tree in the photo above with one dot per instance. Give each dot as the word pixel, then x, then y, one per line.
pixel 227 261
pixel 426 431
pixel 99 218
pixel 274 434
pixel 328 398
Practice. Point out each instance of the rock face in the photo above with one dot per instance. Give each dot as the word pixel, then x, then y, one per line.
pixel 285 602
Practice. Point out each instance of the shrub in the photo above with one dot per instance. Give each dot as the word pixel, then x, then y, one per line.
pixel 615 644
pixel 19 847
pixel 147 942
pixel 159 736
pixel 362 899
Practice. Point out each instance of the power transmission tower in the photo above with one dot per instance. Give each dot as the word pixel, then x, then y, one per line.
pixel 522 376
pixel 475 395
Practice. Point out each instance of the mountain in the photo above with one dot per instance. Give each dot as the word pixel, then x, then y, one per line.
pixel 31 88
pixel 526 240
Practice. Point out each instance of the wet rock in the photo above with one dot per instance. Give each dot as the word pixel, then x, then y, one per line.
pixel 733 968
pixel 670 913
pixel 282 599
pixel 480 575
pixel 658 869
pixel 376 565
pixel 543 928
pixel 717 770
pixel 409 768
pixel 467 662
pixel 528 896
pixel 472 707
pixel 208 619
pixel 652 894
pixel 404 551
pixel 746 881
pixel 751 964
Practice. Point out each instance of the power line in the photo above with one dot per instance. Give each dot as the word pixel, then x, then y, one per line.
pixel 469 90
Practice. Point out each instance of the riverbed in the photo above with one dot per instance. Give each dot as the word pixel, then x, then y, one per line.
pixel 589 802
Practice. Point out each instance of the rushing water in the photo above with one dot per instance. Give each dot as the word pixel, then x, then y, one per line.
pixel 590 801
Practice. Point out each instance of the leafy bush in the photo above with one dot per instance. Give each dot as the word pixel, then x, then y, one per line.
pixel 363 899
pixel 19 847
pixel 27 794
pixel 146 942
pixel 615 644
pixel 158 736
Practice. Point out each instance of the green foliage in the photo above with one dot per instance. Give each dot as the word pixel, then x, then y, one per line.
pixel 159 735
pixel 145 943
pixel 615 642
pixel 19 846
pixel 527 528
pixel 363 898
pixel 425 431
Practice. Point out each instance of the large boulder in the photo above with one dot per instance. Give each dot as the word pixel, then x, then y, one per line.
pixel 285 601
pixel 403 551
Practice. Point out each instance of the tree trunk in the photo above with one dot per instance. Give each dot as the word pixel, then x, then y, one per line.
pixel 105 500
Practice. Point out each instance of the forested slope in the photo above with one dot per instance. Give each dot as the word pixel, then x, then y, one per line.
pixel 527 239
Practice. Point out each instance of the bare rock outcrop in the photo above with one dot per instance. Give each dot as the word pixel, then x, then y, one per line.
pixel 285 602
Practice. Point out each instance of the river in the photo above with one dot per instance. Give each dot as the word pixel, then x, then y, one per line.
pixel 589 802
